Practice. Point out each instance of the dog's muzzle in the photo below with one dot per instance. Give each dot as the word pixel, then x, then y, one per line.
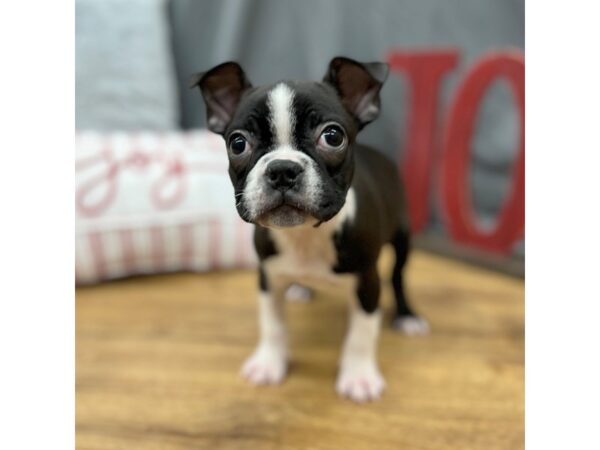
pixel 285 199
pixel 284 189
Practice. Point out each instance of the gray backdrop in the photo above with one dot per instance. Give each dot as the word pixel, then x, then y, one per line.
pixel 279 39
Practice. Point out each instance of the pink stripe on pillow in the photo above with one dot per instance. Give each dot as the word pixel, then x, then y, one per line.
pixel 214 249
pixel 157 243
pixel 186 234
pixel 128 250
pixel 240 247
pixel 97 248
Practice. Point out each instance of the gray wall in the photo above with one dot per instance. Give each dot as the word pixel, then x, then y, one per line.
pixel 279 39
pixel 124 68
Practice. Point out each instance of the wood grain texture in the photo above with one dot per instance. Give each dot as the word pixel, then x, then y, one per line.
pixel 158 361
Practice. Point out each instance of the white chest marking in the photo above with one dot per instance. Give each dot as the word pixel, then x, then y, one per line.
pixel 306 255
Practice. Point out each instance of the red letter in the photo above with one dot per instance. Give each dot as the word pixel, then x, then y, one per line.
pixel 456 198
pixel 424 70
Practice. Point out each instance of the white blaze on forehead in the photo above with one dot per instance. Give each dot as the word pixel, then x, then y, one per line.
pixel 280 103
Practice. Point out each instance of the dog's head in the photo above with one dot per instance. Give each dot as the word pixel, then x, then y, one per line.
pixel 290 144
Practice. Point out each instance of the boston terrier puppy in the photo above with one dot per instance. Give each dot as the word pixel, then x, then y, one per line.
pixel 323 206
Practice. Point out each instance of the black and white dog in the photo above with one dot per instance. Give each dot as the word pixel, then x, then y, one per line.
pixel 323 205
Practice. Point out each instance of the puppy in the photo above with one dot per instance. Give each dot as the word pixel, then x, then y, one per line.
pixel 323 205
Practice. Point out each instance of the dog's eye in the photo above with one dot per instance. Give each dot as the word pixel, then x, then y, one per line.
pixel 238 144
pixel 332 137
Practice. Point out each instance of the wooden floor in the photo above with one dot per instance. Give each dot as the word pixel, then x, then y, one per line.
pixel 158 361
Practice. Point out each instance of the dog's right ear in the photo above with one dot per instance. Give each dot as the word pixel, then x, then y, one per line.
pixel 222 88
pixel 358 85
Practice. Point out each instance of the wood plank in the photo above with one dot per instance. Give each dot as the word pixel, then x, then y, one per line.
pixel 158 360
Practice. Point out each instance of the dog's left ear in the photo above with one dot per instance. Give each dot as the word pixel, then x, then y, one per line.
pixel 358 85
pixel 222 88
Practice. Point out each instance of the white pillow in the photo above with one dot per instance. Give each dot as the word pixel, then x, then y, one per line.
pixel 155 202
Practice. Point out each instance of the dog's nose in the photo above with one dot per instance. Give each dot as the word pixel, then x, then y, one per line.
pixel 283 174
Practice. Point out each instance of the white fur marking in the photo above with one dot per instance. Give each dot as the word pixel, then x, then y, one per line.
pixel 307 254
pixel 348 211
pixel 268 363
pixel 359 378
pixel 412 326
pixel 280 103
pixel 298 294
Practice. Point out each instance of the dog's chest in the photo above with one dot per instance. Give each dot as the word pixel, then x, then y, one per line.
pixel 306 250
pixel 306 256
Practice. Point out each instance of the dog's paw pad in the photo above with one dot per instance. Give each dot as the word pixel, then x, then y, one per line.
pixel 298 294
pixel 360 383
pixel 411 325
pixel 265 366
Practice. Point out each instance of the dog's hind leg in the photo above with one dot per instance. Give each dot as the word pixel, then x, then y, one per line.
pixel 405 319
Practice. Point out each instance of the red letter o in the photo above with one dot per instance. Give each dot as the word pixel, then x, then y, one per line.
pixel 456 199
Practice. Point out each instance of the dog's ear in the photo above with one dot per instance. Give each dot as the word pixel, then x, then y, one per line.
pixel 358 85
pixel 222 88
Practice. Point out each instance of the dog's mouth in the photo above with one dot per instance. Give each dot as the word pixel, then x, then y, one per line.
pixel 285 212
pixel 289 209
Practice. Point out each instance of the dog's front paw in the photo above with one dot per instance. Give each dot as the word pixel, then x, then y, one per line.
pixel 267 365
pixel 411 325
pixel 360 381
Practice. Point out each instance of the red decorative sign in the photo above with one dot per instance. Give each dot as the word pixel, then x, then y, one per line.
pixel 425 71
